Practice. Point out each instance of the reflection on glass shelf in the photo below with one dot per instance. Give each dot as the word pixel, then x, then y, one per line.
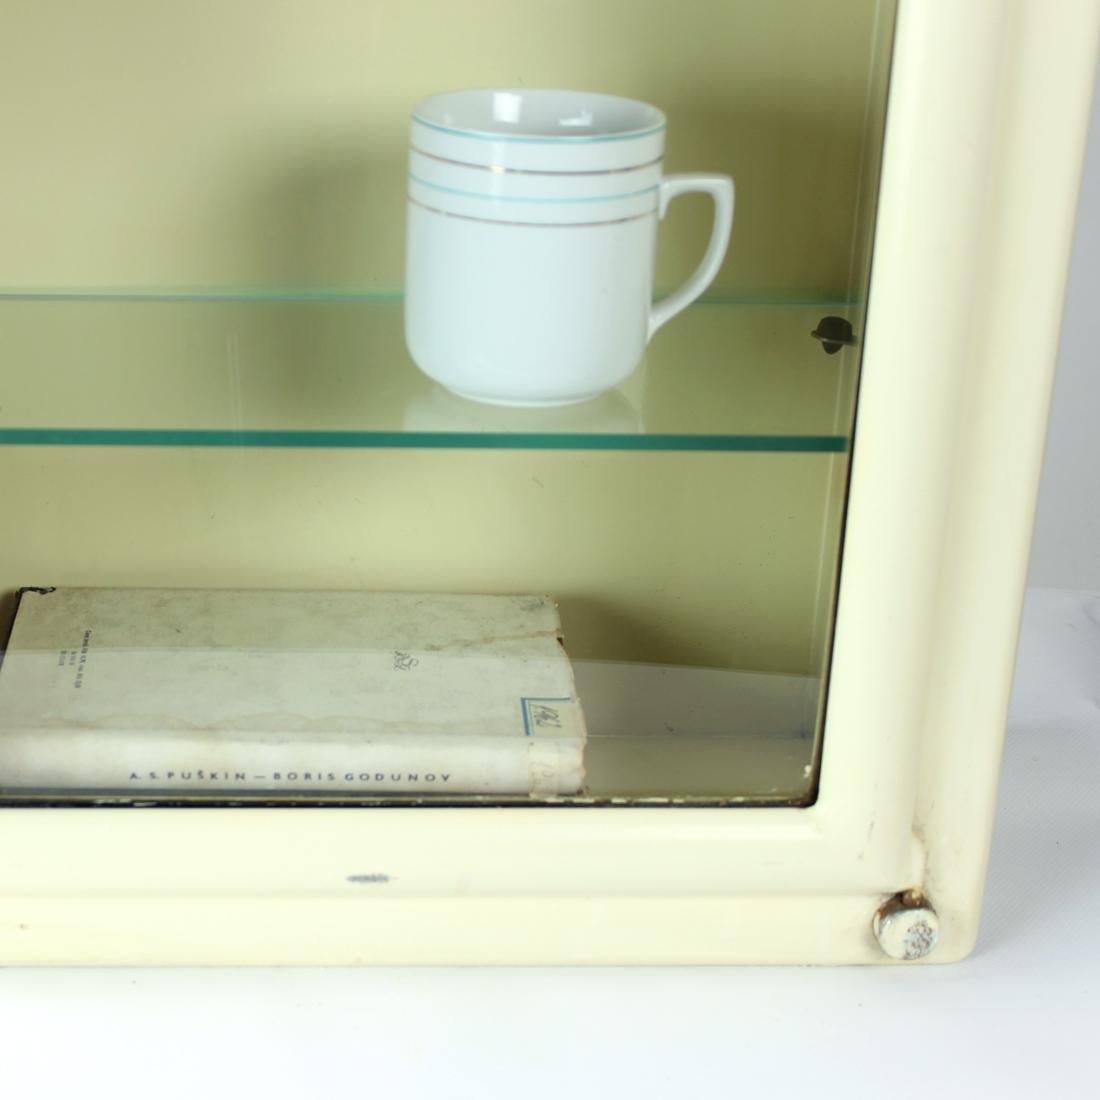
pixel 325 372
pixel 666 732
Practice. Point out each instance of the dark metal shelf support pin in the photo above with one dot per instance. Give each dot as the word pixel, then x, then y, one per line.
pixel 834 333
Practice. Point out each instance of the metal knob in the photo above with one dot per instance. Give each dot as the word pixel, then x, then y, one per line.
pixel 907 927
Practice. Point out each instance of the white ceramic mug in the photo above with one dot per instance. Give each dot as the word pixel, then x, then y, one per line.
pixel 532 229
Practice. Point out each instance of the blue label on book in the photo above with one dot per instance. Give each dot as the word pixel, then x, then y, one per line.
pixel 542 715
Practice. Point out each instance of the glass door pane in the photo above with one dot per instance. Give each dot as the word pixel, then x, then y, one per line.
pixel 204 385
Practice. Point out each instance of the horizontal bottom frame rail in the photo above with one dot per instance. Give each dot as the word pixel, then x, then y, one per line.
pixel 365 928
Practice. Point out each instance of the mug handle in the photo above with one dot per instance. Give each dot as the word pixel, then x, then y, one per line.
pixel 720 188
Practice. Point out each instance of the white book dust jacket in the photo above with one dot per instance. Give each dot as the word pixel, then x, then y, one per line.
pixel 201 691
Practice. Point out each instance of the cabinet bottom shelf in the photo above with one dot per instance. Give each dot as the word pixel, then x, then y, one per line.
pixel 658 735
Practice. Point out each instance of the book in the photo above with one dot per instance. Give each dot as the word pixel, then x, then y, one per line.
pixel 200 691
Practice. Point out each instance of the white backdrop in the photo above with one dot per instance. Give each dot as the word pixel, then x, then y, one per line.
pixel 1066 551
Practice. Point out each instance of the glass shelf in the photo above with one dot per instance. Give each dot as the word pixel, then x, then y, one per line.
pixel 331 371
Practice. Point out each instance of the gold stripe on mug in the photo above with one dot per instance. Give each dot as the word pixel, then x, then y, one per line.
pixel 530 225
pixel 501 170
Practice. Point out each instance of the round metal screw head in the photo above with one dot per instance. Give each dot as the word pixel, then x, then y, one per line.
pixel 907 928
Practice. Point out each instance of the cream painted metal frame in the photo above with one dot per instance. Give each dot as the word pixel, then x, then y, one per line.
pixel 985 130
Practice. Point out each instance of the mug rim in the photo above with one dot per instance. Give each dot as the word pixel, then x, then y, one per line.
pixel 656 123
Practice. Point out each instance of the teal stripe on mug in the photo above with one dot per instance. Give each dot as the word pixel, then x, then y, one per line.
pixel 594 139
pixel 533 198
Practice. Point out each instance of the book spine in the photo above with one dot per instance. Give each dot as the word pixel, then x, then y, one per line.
pixel 144 763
